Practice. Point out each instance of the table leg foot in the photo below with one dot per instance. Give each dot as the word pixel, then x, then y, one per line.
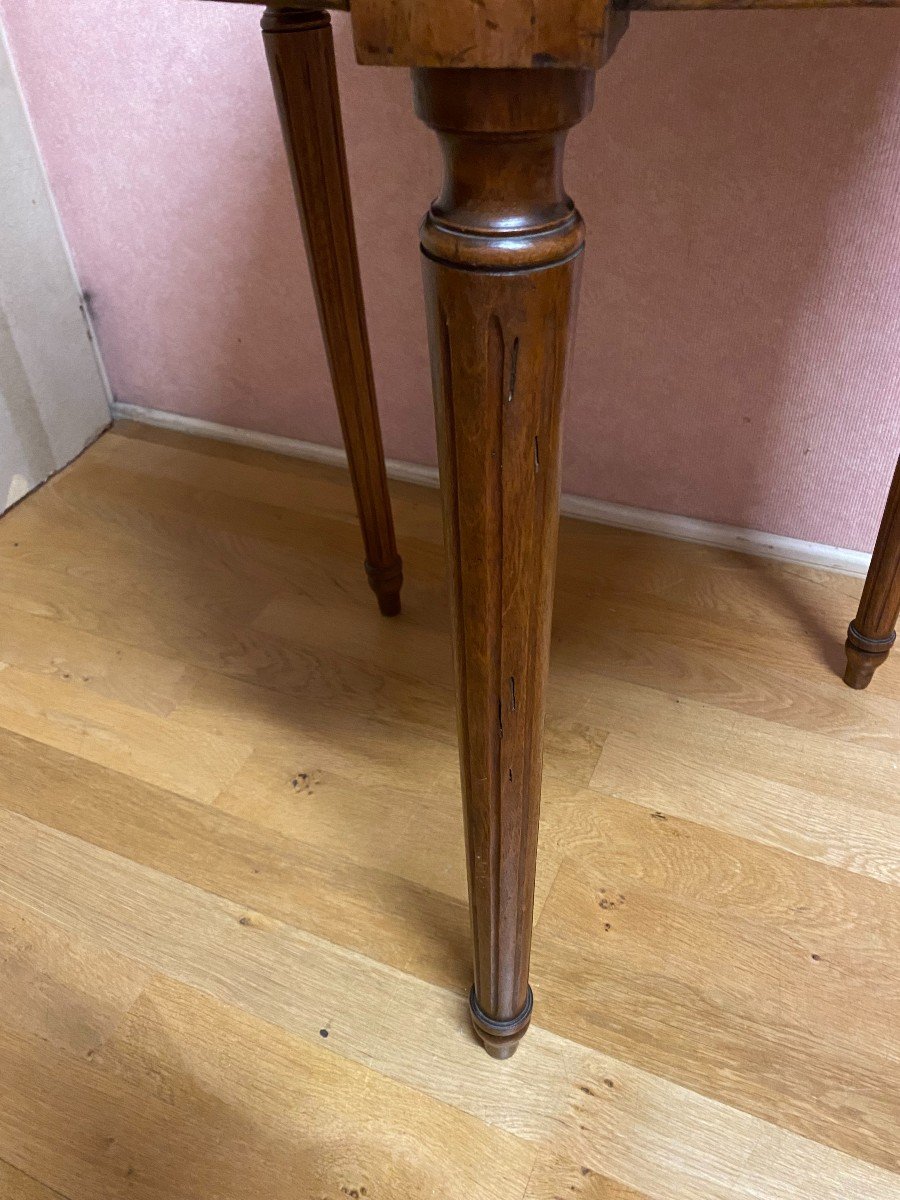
pixel 872 633
pixel 500 1038
pixel 385 582
pixel 863 657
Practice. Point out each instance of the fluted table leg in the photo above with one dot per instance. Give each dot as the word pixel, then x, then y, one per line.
pixel 300 50
pixel 502 252
pixel 872 632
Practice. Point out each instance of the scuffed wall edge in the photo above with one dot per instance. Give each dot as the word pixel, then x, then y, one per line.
pixel 621 516
pixel 6 49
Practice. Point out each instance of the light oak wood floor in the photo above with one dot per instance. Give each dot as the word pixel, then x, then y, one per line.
pixel 233 932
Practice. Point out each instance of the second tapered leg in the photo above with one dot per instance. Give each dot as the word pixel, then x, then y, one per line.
pixel 872 632
pixel 301 58
pixel 502 250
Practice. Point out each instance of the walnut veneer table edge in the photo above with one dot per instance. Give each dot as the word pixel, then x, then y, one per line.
pixel 501 255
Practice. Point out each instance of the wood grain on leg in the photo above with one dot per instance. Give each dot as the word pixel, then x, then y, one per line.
pixel 502 247
pixel 872 633
pixel 300 50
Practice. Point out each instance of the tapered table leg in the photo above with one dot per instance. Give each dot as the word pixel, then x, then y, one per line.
pixel 873 630
pixel 501 251
pixel 300 51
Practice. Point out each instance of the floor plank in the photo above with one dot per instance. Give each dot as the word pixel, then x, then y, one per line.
pixel 837 832
pixel 16 1185
pixel 740 1011
pixel 111 734
pixel 371 910
pixel 267 1116
pixel 623 1123
pixel 61 987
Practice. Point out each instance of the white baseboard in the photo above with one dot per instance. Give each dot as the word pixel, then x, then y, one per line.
pixel 622 516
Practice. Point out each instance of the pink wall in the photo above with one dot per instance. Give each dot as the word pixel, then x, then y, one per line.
pixel 739 350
